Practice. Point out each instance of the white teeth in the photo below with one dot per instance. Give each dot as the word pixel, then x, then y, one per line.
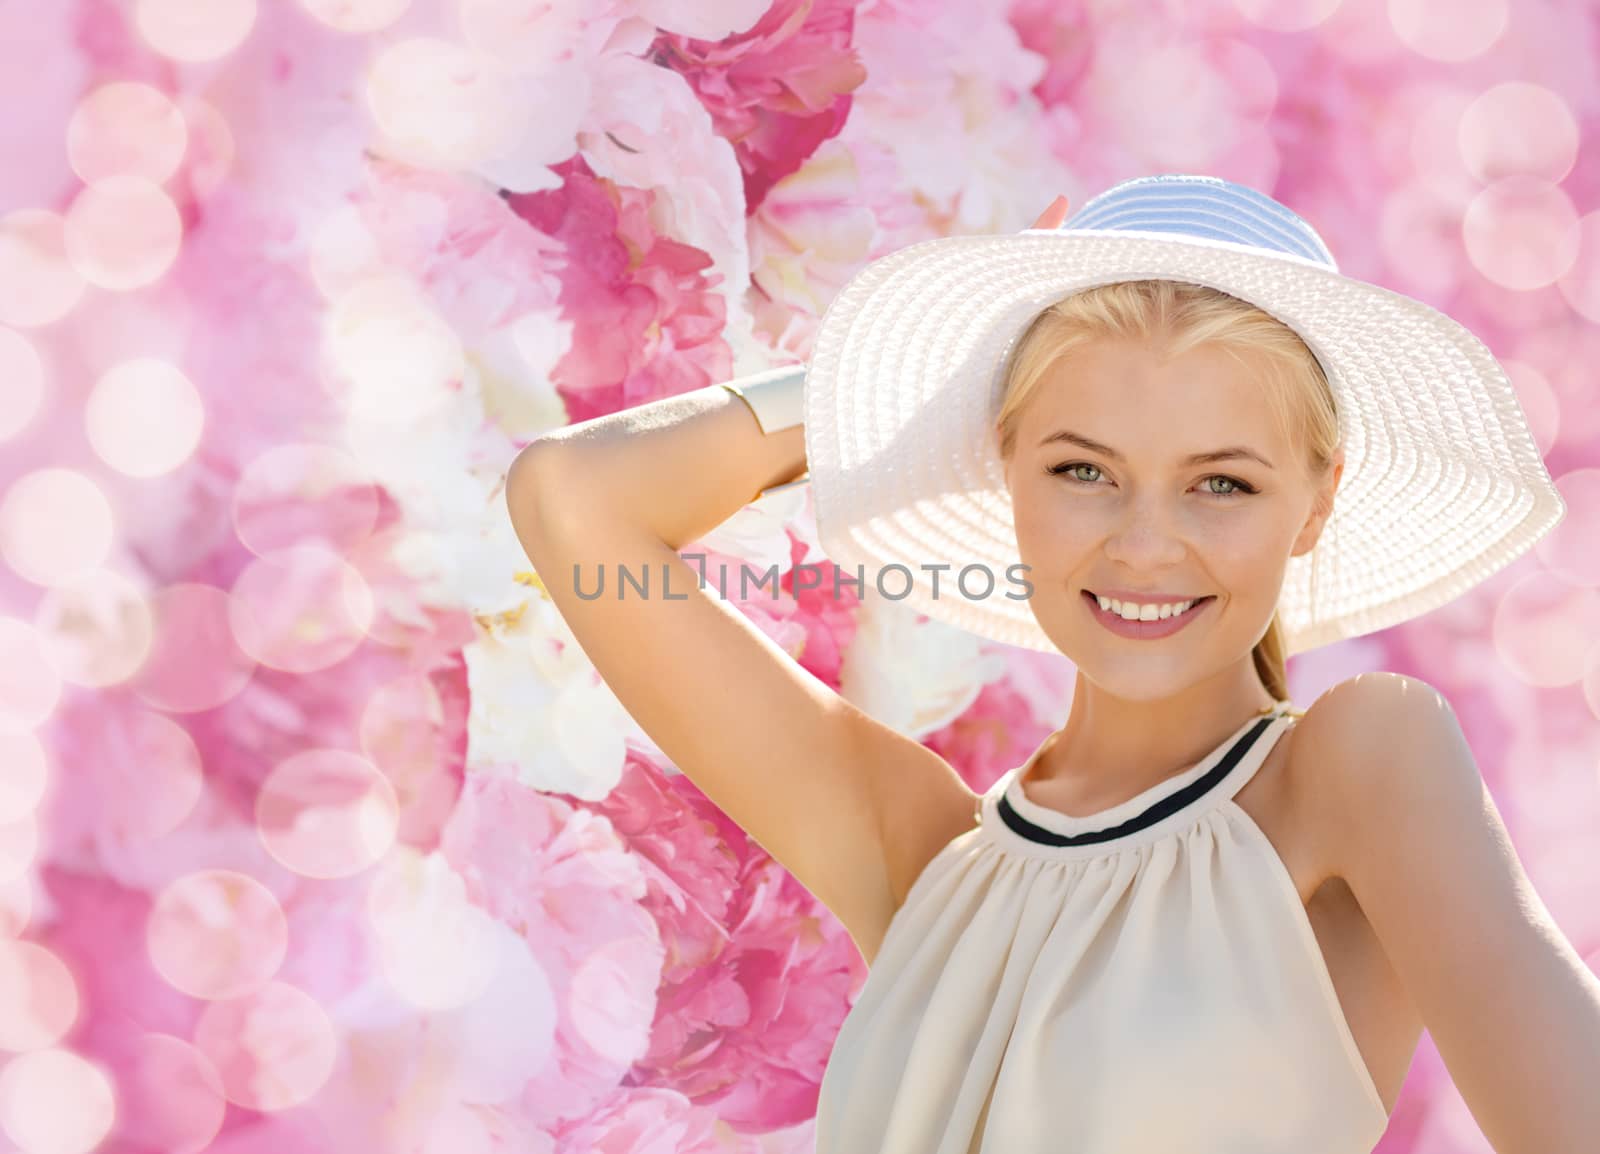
pixel 1130 612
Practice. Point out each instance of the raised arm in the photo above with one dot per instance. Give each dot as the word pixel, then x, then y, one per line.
pixel 803 771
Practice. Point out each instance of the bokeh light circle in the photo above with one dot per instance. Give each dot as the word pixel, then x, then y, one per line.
pixel 300 609
pixel 216 933
pixel 1589 685
pixel 19 847
pixel 1562 351
pixel 123 233
pixel 326 813
pixel 400 730
pixel 194 31
pixel 144 417
pixel 54 524
pixel 356 15
pixel 56 1102
pixel 1191 134
pixel 1287 15
pixel 24 775
pixel 29 687
pixel 1432 132
pixel 1580 284
pixel 1449 31
pixel 210 156
pixel 460 1128
pixel 1419 234
pixel 162 764
pixel 171 1098
pixel 1518 129
pixel 1521 232
pixel 126 128
pixel 1538 400
pixel 273 1049
pixel 38 997
pixel 343 252
pixel 304 492
pixel 1571 550
pixel 95 628
pixel 16 906
pixel 38 284
pixel 397 562
pixel 1544 627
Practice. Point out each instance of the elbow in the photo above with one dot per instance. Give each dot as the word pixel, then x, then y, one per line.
pixel 535 458
pixel 531 481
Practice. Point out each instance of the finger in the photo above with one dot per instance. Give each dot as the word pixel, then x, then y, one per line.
pixel 1053 215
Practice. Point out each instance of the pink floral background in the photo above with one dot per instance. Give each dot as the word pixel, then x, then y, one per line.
pixel 317 831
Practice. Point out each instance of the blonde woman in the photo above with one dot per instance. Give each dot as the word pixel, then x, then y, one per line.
pixel 1168 439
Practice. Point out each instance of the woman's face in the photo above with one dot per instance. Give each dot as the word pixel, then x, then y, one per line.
pixel 1136 515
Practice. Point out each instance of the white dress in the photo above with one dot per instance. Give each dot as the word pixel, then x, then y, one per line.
pixel 1143 980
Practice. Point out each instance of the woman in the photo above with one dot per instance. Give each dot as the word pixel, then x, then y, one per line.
pixel 1196 918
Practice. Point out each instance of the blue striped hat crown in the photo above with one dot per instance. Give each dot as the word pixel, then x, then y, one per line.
pixel 1188 205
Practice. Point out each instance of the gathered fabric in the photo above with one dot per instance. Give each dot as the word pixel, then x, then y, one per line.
pixel 1142 980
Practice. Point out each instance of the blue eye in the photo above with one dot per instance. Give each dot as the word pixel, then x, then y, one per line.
pixel 1239 489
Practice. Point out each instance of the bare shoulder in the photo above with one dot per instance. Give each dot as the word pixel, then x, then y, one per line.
pixel 1346 745
pixel 1367 706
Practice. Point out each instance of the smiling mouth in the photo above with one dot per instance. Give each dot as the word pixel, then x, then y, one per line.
pixel 1194 602
pixel 1138 628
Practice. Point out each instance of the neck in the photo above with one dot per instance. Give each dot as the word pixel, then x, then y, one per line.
pixel 1112 748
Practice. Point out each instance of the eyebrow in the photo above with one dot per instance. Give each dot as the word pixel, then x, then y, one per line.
pixel 1226 453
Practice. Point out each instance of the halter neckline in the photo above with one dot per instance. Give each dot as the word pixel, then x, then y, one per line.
pixel 1053 831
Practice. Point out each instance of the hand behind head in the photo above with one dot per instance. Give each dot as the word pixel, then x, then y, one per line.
pixel 1053 215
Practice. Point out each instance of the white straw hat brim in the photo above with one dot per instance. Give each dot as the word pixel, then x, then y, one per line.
pixel 1443 483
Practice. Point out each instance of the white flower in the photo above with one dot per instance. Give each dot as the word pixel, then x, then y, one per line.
pixel 538 703
pixel 914 673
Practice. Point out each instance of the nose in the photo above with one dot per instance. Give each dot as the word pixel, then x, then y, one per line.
pixel 1145 540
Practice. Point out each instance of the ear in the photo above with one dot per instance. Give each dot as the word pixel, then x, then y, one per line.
pixel 1321 507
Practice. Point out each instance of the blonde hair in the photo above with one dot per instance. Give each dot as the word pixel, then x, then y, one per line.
pixel 1175 317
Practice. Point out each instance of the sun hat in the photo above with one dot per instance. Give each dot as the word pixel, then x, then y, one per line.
pixel 1443 482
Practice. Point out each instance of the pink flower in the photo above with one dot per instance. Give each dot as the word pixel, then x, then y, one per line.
pixel 758 974
pixel 647 1120
pixel 995 734
pixel 645 321
pixel 776 91
pixel 480 262
pixel 560 877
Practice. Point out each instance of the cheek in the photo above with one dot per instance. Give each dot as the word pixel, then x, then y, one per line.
pixel 1251 556
pixel 1043 525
